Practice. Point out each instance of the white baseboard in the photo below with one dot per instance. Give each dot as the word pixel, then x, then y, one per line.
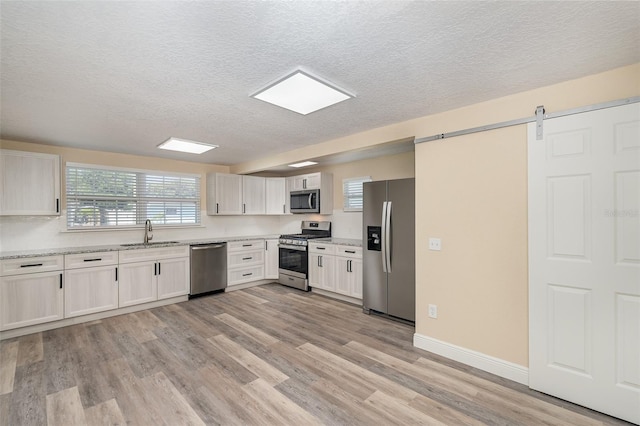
pixel 493 365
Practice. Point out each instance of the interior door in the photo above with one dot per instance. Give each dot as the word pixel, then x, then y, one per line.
pixel 584 260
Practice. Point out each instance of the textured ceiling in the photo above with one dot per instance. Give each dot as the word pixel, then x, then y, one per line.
pixel 125 76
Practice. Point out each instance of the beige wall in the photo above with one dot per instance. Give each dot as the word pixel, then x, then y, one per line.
pixel 74 155
pixel 396 166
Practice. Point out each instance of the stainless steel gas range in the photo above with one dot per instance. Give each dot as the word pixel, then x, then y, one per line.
pixel 294 255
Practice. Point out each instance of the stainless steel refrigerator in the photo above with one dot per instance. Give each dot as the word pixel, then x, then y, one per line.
pixel 389 248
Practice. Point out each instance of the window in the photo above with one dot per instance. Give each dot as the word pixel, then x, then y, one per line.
pixel 103 197
pixel 352 190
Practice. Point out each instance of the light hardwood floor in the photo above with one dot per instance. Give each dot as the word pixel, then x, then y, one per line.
pixel 267 355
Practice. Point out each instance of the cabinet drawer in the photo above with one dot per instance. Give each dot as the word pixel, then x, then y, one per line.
pixel 245 245
pixel 245 275
pixel 29 265
pixel 322 248
pixel 349 251
pixel 141 255
pixel 87 260
pixel 242 258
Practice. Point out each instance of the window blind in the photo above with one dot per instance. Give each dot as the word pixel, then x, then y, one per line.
pixel 112 197
pixel 352 192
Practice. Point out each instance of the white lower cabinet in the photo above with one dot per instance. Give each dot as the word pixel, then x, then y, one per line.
pixel 271 259
pixel 245 262
pixel 153 274
pixel 28 296
pixel 336 268
pixel 91 283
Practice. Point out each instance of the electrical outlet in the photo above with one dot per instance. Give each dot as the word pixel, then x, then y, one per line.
pixel 433 311
pixel 435 244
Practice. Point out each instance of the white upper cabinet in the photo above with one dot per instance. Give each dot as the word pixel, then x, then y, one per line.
pixel 224 194
pixel 308 181
pixel 253 195
pixel 276 196
pixel 29 183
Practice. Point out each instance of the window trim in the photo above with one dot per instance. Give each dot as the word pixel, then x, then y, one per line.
pixel 164 173
pixel 346 197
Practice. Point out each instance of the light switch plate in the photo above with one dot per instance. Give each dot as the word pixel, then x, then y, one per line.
pixel 433 311
pixel 435 244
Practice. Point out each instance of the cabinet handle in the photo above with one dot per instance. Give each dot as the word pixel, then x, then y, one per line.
pixel 247 258
pixel 319 261
pixel 57 205
pixel 304 184
pixel 93 260
pixel 60 280
pixel 216 207
pixel 30 265
pixel 155 269
pixel 247 245
pixel 244 208
pixel 116 273
pixel 348 266
pixel 159 270
pixel 246 275
pixel 350 251
pixel 284 208
pixel 321 248
pixel 266 246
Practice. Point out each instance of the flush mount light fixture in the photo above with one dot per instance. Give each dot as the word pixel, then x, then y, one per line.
pixel 302 92
pixel 303 164
pixel 184 145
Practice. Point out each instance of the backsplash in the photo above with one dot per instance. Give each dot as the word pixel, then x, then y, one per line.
pixel 40 232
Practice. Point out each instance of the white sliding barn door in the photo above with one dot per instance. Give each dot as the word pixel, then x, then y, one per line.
pixel 584 260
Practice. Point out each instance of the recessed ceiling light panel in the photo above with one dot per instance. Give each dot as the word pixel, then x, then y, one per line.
pixel 302 93
pixel 184 145
pixel 303 164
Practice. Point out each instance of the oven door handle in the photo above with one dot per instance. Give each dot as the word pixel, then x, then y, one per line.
pixel 292 247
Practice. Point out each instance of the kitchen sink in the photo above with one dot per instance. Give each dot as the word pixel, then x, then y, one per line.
pixel 150 244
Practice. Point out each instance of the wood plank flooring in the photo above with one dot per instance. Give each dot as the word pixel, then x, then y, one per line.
pixel 267 355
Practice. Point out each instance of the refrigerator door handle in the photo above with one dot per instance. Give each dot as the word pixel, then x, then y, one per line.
pixel 383 236
pixel 387 237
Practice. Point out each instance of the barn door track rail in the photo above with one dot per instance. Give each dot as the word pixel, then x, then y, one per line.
pixel 538 118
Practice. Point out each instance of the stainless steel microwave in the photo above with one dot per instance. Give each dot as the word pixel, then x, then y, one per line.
pixel 307 201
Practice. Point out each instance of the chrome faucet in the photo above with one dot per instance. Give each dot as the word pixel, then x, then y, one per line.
pixel 147 229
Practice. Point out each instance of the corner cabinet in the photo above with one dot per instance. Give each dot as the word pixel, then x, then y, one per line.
pixel 276 196
pixel 30 291
pixel 29 183
pixel 151 274
pixel 271 259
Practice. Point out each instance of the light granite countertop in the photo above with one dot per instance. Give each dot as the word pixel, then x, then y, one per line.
pixel 116 247
pixel 340 241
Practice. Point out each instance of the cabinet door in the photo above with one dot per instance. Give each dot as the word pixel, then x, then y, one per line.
pixel 343 276
pixel 173 277
pixel 313 181
pixel 298 182
pixel 30 299
pixel 276 196
pixel 355 278
pixel 137 283
pixel 271 260
pixel 29 183
pixel 228 194
pixel 253 195
pixel 90 290
pixel 322 271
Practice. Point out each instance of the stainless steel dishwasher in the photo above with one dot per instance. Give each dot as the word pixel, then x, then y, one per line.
pixel 208 268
